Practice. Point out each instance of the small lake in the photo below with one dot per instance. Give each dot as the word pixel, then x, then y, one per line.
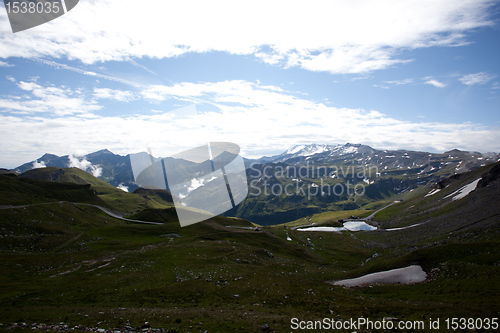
pixel 351 226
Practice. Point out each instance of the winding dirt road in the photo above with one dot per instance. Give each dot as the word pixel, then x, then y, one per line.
pixel 115 215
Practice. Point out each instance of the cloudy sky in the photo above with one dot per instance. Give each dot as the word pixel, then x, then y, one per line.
pixel 267 75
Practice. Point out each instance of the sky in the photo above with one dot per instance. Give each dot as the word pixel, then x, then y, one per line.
pixel 171 75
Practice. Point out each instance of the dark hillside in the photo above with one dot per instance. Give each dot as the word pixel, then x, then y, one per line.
pixel 116 199
pixel 69 175
pixel 24 191
pixel 155 194
pixel 475 215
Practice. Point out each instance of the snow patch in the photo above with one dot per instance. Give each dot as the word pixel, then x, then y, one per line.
pixel 434 191
pixel 367 181
pixel 351 226
pixel 314 150
pixel 327 229
pixel 295 149
pixel 464 191
pixel 350 150
pixel 358 226
pixel 410 274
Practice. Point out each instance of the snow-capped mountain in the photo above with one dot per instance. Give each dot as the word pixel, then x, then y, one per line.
pixel 117 169
pixel 307 150
pixel 103 164
pixel 365 155
pixel 310 151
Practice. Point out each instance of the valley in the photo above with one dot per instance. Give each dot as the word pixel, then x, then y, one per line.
pixel 64 260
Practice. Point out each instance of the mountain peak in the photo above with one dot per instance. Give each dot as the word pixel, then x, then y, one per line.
pixel 100 152
pixel 295 149
pixel 48 156
pixel 454 151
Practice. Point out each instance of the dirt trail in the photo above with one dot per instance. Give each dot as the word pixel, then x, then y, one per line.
pixel 115 215
pixel 373 214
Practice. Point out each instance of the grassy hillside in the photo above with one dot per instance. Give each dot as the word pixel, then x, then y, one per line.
pixel 23 191
pixel 156 198
pixel 326 217
pixel 439 215
pixel 169 215
pixel 74 264
pixel 118 200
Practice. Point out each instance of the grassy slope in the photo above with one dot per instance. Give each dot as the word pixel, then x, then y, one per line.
pixel 326 217
pixel 115 198
pixel 61 267
pixel 23 191
pixel 156 199
pixel 69 263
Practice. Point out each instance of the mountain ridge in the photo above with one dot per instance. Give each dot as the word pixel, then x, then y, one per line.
pixel 117 169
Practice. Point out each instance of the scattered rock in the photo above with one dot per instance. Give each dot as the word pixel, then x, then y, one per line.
pixel 62 327
pixel 269 253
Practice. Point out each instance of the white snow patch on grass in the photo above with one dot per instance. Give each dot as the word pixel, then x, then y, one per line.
pixel 434 191
pixel 463 191
pixel 351 226
pixel 327 229
pixel 410 274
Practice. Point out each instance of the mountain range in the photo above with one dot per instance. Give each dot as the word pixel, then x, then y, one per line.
pixel 116 169
pixel 66 263
pixel 383 159
pixel 103 164
pixel 325 177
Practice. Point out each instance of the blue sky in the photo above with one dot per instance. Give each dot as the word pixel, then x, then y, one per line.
pixel 419 75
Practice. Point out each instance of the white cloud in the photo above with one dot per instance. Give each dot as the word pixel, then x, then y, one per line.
pixel 83 164
pixel 364 77
pixel 122 187
pixel 477 78
pixel 262 120
pixel 89 73
pixel 5 64
pixel 337 37
pixel 400 82
pixel 58 101
pixel 195 183
pixel 96 170
pixel 75 162
pixel 119 95
pixel 38 165
pixel 435 83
